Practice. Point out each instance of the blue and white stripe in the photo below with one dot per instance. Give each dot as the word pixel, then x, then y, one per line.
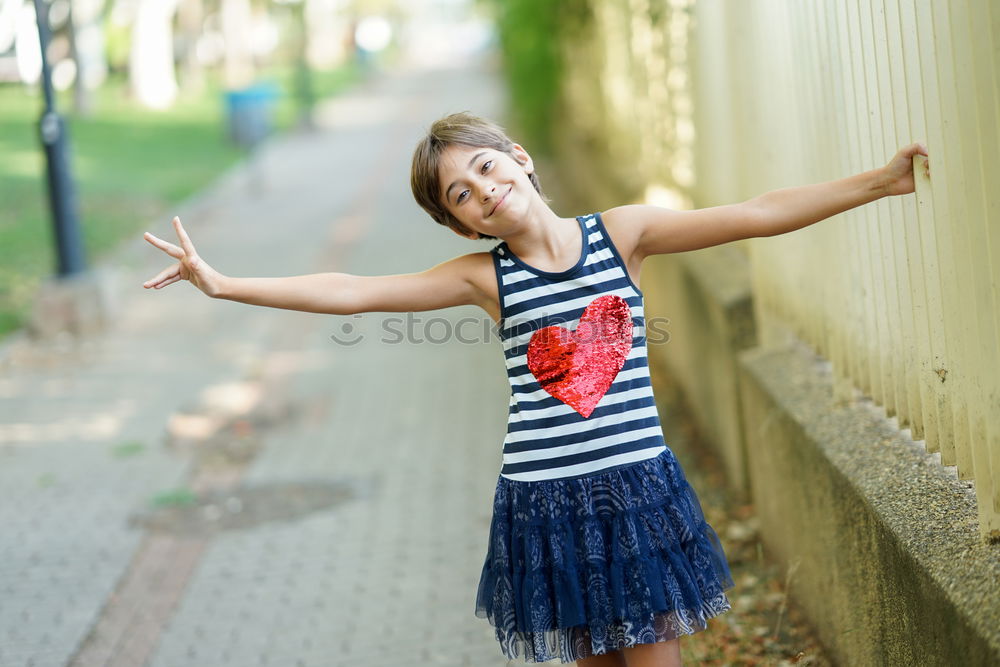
pixel 547 439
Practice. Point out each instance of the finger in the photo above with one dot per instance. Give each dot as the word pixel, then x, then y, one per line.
pixel 165 246
pixel 168 282
pixel 182 235
pixel 166 273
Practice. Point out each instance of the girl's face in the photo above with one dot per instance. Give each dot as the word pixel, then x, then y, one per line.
pixel 486 190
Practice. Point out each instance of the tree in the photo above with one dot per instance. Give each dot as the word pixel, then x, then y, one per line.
pixel 86 35
pixel 151 59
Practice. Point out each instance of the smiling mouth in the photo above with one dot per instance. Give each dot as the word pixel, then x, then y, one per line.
pixel 495 206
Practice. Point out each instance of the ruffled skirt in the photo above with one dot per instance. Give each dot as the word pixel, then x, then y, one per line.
pixel 583 566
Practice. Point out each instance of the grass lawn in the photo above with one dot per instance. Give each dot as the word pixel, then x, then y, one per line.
pixel 130 166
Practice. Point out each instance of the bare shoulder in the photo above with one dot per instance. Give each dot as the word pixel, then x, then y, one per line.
pixel 624 224
pixel 653 230
pixel 477 269
pixel 625 229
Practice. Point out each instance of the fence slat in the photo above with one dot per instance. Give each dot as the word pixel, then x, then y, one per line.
pixel 943 219
pixel 979 147
pixel 923 254
pixel 954 116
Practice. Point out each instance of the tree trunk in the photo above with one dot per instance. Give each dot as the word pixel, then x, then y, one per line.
pixel 237 26
pixel 151 60
pixel 87 42
pixel 326 27
pixel 190 19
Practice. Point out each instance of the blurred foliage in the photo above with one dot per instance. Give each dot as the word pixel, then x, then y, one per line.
pixel 117 42
pixel 182 497
pixel 127 449
pixel 531 32
pixel 130 166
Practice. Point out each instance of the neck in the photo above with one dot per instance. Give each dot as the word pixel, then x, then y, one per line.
pixel 544 237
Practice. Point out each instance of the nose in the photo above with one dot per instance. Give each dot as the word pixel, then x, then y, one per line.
pixel 485 189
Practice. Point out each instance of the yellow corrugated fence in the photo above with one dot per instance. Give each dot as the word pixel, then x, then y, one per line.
pixel 717 101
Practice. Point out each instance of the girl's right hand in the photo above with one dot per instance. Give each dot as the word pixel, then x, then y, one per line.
pixel 189 266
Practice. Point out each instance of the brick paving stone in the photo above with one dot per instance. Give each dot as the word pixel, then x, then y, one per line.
pixel 387 577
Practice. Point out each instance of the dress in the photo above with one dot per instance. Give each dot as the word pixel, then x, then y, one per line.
pixel 597 540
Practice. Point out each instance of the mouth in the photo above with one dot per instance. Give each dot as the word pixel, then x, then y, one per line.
pixel 502 200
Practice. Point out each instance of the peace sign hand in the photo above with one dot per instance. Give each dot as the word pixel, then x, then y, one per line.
pixel 189 266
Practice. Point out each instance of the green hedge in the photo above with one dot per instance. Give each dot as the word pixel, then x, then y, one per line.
pixel 531 32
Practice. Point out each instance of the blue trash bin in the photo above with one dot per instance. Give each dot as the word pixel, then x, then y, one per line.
pixel 250 113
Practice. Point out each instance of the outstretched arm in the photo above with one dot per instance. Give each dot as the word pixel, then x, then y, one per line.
pixel 652 230
pixel 788 209
pixel 444 285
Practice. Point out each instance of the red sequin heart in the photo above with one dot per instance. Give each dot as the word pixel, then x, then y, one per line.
pixel 578 367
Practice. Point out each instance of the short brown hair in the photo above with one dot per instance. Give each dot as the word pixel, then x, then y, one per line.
pixel 463 129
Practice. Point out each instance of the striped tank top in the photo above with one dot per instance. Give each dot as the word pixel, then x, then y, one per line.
pixel 575 348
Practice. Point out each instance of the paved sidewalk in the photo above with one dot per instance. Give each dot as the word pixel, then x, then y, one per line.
pixel 218 484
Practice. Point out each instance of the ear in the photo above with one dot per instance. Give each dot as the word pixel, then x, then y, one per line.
pixel 523 158
pixel 473 236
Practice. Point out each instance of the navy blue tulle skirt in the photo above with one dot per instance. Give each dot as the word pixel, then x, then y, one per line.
pixel 583 566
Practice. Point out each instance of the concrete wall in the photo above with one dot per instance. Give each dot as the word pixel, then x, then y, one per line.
pixel 882 540
pixel 879 539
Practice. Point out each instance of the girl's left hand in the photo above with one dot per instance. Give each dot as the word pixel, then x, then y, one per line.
pixel 897 176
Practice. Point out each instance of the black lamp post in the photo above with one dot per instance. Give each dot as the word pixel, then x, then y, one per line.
pixel 62 197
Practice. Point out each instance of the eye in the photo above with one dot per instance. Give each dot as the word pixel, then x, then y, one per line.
pixel 486 165
pixel 461 196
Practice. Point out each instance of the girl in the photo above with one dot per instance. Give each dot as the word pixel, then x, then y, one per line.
pixel 598 552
